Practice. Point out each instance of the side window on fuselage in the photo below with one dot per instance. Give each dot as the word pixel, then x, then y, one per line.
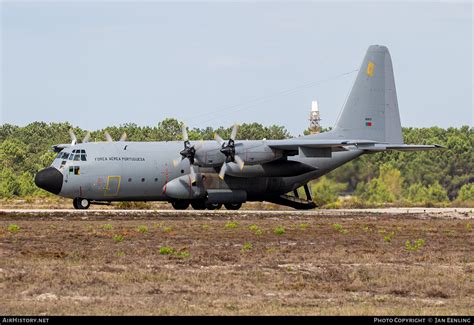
pixel 75 169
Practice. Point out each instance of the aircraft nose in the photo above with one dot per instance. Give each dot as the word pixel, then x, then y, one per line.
pixel 49 179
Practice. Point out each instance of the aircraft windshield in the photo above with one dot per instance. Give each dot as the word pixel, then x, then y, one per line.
pixel 76 155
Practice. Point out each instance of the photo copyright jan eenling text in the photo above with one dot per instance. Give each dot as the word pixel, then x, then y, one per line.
pixel 422 320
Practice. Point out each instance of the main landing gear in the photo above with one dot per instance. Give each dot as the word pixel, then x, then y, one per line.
pixel 80 203
pixel 203 205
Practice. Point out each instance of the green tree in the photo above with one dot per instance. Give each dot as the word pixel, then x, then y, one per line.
pixel 466 193
pixel 417 193
pixel 326 191
pixel 437 194
pixel 8 183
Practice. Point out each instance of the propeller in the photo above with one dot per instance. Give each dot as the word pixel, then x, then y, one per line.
pixel 74 138
pixel 86 137
pixel 228 149
pixel 188 152
pixel 108 137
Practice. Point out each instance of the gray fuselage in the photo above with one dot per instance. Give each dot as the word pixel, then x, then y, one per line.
pixel 139 171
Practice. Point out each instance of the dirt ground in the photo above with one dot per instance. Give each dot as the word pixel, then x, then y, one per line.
pixel 236 264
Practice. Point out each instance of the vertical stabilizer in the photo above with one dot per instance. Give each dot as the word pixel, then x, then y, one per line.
pixel 371 110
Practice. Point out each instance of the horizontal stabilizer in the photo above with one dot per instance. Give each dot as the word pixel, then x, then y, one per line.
pixel 399 147
pixel 294 144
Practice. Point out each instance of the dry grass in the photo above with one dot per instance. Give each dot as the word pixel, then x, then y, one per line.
pixel 75 266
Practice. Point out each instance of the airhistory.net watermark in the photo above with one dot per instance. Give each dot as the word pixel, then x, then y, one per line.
pixel 24 320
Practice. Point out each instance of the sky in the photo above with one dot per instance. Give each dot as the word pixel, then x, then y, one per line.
pixel 104 63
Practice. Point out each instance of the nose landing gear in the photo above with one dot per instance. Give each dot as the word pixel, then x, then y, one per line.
pixel 80 203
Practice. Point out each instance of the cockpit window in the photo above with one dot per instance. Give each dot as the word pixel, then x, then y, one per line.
pixel 62 155
pixel 76 155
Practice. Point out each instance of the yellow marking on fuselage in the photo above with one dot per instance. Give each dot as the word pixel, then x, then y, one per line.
pixel 106 192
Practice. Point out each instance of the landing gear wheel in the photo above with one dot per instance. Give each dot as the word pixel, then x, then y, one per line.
pixel 198 204
pixel 233 206
pixel 213 206
pixel 80 203
pixel 180 205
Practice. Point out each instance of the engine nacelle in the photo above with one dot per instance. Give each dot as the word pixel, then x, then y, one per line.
pixel 256 152
pixel 182 188
pixel 252 152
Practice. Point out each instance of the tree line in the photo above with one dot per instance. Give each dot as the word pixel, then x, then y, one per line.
pixel 439 177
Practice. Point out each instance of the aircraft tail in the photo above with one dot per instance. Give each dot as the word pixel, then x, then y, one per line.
pixel 371 111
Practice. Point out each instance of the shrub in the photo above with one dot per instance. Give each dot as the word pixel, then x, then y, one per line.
pixel 167 229
pixel 142 229
pixel 279 230
pixel 118 238
pixel 107 227
pixel 253 228
pixel 340 228
pixel 256 230
pixel 247 247
pixel 182 254
pixel 137 205
pixel 165 250
pixel 304 226
pixel 231 225
pixel 466 192
pixel 13 228
pixel 388 238
pixel 417 244
pixel 417 193
pixel 437 194
pixel 326 191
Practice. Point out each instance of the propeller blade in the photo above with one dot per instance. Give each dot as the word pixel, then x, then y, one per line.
pixel 185 133
pixel 73 137
pixel 239 162
pixel 108 137
pixel 218 138
pixel 235 128
pixel 86 137
pixel 192 174
pixel 123 137
pixel 222 171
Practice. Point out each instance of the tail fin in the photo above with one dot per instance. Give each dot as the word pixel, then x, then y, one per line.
pixel 371 111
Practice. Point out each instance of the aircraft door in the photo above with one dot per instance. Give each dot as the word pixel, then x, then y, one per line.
pixel 113 186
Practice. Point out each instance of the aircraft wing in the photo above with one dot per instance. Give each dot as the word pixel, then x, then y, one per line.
pixel 400 147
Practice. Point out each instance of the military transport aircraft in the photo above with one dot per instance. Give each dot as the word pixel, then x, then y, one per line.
pixel 209 174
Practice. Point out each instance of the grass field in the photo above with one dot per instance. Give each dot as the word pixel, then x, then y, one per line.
pixel 234 264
